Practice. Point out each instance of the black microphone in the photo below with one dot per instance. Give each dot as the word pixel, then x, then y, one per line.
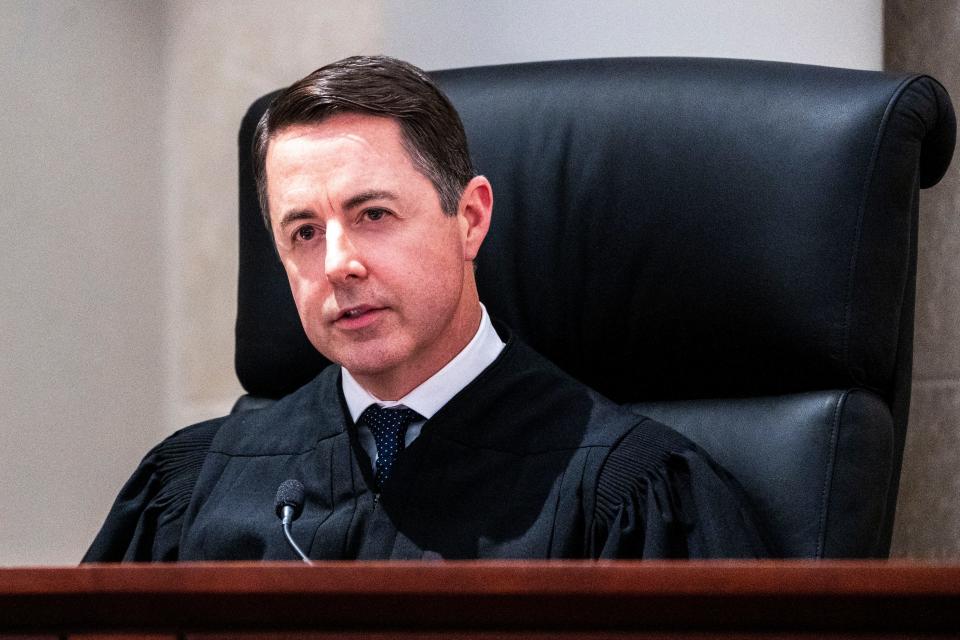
pixel 288 505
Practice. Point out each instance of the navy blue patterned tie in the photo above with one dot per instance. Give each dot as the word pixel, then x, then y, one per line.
pixel 388 427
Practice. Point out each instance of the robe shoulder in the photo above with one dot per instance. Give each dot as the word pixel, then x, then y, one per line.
pixel 647 491
pixel 290 426
pixel 145 521
pixel 659 495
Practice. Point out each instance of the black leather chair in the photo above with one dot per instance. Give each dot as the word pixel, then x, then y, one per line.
pixel 727 245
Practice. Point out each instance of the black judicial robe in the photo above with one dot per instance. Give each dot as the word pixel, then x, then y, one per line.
pixel 525 462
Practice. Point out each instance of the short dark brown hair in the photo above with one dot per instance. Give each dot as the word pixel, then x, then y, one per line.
pixel 382 86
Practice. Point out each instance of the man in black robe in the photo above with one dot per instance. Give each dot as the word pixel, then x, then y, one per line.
pixel 435 434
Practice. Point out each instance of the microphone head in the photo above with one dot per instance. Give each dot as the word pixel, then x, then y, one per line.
pixel 289 494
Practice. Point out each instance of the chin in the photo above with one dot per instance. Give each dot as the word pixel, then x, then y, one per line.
pixel 365 362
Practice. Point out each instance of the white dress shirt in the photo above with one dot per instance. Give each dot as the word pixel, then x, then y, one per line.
pixel 434 392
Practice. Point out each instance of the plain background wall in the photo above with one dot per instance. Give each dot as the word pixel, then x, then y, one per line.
pixel 926 35
pixel 119 194
pixel 437 35
pixel 82 297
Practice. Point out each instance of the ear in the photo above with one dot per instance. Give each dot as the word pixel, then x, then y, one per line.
pixel 476 207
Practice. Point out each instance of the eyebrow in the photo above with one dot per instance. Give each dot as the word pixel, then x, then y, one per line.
pixel 350 203
pixel 292 216
pixel 366 196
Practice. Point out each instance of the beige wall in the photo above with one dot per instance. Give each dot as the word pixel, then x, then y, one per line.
pixel 81 253
pixel 460 33
pixel 925 36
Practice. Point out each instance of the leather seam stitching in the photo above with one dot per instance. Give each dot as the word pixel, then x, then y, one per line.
pixel 830 469
pixel 869 178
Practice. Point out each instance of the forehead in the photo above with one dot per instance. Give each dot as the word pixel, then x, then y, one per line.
pixel 339 139
pixel 329 163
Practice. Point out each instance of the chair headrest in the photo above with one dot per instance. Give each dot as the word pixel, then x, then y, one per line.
pixel 672 228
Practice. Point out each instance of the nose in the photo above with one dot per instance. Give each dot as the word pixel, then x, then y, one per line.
pixel 342 260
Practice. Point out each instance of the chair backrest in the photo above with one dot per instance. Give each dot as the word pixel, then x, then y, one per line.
pixel 729 245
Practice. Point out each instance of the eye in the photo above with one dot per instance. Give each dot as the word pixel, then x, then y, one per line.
pixel 306 232
pixel 375 214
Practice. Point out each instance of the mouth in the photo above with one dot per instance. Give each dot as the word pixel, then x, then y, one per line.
pixel 357 317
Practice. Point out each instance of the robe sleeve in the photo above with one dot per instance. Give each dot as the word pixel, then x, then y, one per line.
pixel 146 519
pixel 658 495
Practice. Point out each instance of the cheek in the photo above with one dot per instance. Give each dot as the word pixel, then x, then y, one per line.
pixel 439 277
pixel 307 292
pixel 442 249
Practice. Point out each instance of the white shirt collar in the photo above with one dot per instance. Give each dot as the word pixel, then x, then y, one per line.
pixel 438 389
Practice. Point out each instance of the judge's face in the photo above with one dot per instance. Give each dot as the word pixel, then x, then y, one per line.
pixel 382 278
